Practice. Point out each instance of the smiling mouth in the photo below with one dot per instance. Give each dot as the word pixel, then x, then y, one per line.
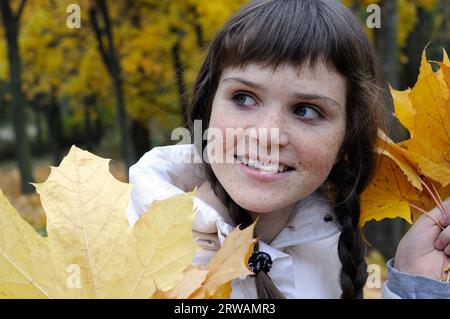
pixel 265 168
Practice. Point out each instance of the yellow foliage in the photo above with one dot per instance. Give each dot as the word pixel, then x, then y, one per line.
pixel 92 252
pixel 427 4
pixel 89 237
pixel 429 144
pixel 213 281
pixel 445 68
pixel 407 19
pixel 423 159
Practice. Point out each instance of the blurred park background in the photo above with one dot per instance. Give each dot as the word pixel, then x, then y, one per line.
pixel 120 83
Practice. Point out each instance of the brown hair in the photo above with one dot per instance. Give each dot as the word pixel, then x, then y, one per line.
pixel 294 32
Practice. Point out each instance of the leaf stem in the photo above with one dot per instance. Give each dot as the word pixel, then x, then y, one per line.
pixel 446 270
pixel 438 202
pixel 426 213
pixel 443 268
pixel 439 198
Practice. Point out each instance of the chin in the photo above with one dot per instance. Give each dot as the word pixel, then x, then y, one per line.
pixel 258 205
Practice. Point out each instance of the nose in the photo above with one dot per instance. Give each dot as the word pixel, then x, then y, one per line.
pixel 271 127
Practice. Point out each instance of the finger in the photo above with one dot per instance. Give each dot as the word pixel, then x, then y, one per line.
pixel 443 239
pixel 432 218
pixel 447 250
pixel 437 216
pixel 444 219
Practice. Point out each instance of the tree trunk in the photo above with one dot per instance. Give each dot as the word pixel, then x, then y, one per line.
pixel 88 142
pixel 53 116
pixel 385 235
pixel 23 154
pixel 197 26
pixel 386 41
pixel 123 122
pixel 417 40
pixel 88 133
pixel 141 138
pixel 38 120
pixel 179 77
pixel 92 125
pixel 98 129
pixel 443 35
pixel 109 55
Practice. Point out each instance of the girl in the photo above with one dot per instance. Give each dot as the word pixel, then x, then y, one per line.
pixel 305 68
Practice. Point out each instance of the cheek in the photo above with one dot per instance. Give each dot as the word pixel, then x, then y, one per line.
pixel 317 157
pixel 222 119
pixel 222 114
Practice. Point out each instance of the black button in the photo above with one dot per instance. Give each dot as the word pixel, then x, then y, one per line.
pixel 328 218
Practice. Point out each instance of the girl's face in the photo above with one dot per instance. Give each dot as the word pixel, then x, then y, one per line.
pixel 307 107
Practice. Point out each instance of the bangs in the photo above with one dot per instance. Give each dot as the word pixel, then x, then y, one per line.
pixel 293 32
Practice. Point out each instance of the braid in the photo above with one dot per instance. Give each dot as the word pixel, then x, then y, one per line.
pixel 265 287
pixel 239 215
pixel 351 249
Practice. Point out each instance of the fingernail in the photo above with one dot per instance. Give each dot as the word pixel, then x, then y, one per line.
pixel 443 219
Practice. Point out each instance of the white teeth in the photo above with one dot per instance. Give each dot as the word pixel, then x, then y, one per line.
pixel 270 167
pixel 264 168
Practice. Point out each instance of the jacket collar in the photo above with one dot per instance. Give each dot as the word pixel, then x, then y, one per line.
pixel 313 219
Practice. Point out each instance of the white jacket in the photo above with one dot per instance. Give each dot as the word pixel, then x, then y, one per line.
pixel 304 253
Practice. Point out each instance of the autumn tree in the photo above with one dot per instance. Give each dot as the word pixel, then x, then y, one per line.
pixel 50 55
pixel 11 25
pixel 101 24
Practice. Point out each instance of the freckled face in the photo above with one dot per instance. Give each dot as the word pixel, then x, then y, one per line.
pixel 308 108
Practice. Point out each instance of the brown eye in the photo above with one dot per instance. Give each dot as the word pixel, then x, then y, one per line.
pixel 241 98
pixel 306 111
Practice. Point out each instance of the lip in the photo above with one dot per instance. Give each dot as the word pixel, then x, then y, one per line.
pixel 262 177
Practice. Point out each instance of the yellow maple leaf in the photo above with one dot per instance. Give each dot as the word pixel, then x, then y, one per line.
pixel 387 195
pixel 392 190
pixel 404 110
pixel 90 251
pixel 193 278
pixel 445 68
pixel 387 147
pixel 224 266
pixel 396 182
pixel 390 194
pixel 214 280
pixel 425 112
pixel 410 171
pixel 223 292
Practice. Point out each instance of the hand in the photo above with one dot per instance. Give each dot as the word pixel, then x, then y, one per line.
pixel 420 252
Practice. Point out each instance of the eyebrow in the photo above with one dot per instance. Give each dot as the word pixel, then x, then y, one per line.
pixel 304 96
